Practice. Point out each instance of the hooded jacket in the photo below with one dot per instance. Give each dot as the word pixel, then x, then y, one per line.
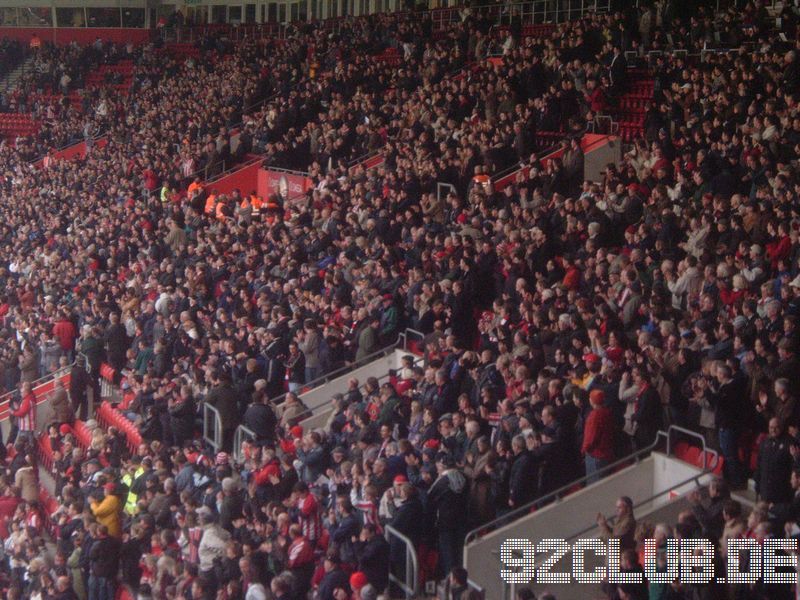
pixel 447 499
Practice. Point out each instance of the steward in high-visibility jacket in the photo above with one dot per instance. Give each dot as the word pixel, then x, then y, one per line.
pixel 195 185
pixel 210 203
pixel 256 202
pixel 220 212
pixel 130 501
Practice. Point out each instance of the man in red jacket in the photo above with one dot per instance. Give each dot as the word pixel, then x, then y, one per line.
pixel 26 414
pixel 301 558
pixel 598 436
pixel 65 332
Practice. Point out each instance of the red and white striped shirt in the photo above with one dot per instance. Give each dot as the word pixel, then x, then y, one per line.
pixel 195 534
pixel 310 518
pixel 26 413
pixel 368 509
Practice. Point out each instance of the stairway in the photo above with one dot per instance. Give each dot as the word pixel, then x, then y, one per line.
pixel 9 82
pixel 633 105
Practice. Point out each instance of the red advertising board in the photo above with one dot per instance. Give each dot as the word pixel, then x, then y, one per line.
pixel 290 185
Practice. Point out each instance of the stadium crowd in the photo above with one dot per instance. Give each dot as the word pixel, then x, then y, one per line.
pixel 565 321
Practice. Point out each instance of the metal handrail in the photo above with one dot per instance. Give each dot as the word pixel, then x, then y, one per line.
pixel 694 478
pixel 564 490
pixel 328 377
pixel 318 409
pixel 59 373
pixel 411 584
pixel 518 166
pixel 695 435
pixel 288 171
pixel 238 436
pixel 214 437
pixel 582 533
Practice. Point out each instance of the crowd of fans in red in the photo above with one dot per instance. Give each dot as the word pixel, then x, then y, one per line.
pixel 565 321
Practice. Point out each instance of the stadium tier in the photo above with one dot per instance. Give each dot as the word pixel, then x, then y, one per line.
pixel 346 301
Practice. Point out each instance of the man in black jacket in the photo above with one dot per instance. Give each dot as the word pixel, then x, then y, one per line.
pixel 224 398
pixel 730 408
pixel 409 519
pixel 774 466
pixel 789 511
pixel 373 556
pixel 116 342
pixel 333 578
pixel 103 565
pixel 260 418
pixel 522 480
pixel 447 503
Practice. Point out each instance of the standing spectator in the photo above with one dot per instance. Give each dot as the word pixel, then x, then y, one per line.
pixel 624 524
pixel 598 436
pixel 260 418
pixel 116 342
pixel 108 512
pixel 775 461
pixel 60 405
pixel 309 345
pixel 300 560
pixel 308 513
pixel 25 414
pixel 224 398
pixel 522 486
pixel 295 368
pixel 28 365
pixel 103 565
pixel 368 339
pixel 65 332
pixel 372 551
pixel 731 412
pixel 213 542
pixel 447 504
pixel 27 481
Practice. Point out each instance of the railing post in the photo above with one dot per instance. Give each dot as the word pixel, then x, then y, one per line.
pixel 214 436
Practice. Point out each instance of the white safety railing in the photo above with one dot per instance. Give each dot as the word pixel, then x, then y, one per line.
pixel 212 426
pixel 408 580
pixel 43 389
pixel 242 435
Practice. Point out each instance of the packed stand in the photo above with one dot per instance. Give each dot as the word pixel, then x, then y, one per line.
pixel 565 321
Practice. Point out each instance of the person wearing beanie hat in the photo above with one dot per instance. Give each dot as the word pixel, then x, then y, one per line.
pixel 368 592
pixel 447 503
pixel 598 436
pixel 358 580
pixel 109 511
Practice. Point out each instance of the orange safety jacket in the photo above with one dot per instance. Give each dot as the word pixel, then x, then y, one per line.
pixel 192 187
pixel 210 201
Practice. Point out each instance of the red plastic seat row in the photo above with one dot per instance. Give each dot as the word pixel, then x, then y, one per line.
pixel 112 417
pixel 630 134
pixel 45 452
pixel 82 434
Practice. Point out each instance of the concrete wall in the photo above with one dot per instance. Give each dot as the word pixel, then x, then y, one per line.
pixel 599 154
pixel 574 517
